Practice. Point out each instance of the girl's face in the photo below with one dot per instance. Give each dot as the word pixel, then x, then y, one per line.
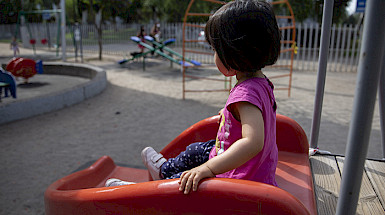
pixel 222 68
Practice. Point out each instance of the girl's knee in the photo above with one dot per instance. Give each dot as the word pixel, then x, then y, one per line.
pixel 192 147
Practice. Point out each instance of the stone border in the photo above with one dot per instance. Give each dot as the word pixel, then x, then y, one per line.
pixel 58 100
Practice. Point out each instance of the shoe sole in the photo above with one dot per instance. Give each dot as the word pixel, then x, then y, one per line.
pixel 113 182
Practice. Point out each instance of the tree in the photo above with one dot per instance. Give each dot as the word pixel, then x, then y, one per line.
pixel 9 11
pixel 174 10
pixel 133 11
pixel 114 8
pixel 302 9
pixel 97 8
pixel 153 9
pixel 339 10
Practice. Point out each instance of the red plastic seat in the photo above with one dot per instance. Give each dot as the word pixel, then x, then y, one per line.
pixel 83 192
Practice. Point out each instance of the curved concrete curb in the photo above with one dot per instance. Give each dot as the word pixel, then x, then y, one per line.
pixel 57 100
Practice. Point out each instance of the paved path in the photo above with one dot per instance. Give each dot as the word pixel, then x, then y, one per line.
pixel 137 109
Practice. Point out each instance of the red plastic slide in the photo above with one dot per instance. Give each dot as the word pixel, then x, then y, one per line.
pixel 83 192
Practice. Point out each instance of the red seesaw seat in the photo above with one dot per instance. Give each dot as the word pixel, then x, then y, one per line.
pixel 83 192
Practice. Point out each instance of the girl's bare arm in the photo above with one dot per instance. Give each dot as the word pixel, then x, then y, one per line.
pixel 240 152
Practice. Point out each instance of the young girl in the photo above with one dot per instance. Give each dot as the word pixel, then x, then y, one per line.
pixel 14 46
pixel 141 35
pixel 155 34
pixel 245 37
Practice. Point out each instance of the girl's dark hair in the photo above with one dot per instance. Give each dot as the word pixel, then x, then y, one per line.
pixel 245 35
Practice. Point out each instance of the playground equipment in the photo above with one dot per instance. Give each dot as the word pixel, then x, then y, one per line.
pixel 25 68
pixel 8 83
pixel 287 46
pixel 171 52
pixel 83 192
pixel 190 49
pixel 372 57
pixel 33 37
pixel 161 49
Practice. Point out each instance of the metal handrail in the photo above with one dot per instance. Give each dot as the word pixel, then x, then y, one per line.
pixel 369 70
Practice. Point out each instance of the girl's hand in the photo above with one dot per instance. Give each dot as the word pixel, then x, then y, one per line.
pixel 192 177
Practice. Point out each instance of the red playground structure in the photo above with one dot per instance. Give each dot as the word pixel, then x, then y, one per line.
pixel 23 67
pixel 83 192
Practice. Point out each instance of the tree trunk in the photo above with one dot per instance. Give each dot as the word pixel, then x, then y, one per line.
pixel 84 17
pixel 100 32
pixel 98 24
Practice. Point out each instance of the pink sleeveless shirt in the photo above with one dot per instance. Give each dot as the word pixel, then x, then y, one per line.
pixel 261 168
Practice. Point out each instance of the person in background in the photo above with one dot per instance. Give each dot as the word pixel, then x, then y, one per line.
pixel 155 34
pixel 141 35
pixel 14 46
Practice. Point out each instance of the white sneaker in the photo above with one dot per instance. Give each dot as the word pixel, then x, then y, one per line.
pixel 153 161
pixel 117 182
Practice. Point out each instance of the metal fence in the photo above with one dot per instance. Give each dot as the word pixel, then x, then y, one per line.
pixel 343 53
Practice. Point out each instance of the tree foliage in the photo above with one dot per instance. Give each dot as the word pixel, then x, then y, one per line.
pixel 313 9
pixel 9 11
pixel 339 10
pixel 302 9
pixel 144 11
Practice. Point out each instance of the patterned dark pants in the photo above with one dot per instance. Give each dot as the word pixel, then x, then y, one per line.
pixel 195 155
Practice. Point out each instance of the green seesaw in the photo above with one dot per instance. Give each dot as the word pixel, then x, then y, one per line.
pixel 157 49
pixel 172 52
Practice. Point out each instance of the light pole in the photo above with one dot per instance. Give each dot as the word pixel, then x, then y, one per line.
pixel 63 29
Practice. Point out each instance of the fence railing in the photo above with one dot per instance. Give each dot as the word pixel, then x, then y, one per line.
pixel 343 52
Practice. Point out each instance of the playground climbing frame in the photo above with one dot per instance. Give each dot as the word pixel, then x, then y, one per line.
pixel 287 42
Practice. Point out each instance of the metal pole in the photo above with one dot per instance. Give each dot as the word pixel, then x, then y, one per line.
pixel 63 29
pixel 365 97
pixel 381 101
pixel 81 45
pixel 322 65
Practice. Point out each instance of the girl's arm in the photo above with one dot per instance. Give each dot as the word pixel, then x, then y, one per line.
pixel 240 152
